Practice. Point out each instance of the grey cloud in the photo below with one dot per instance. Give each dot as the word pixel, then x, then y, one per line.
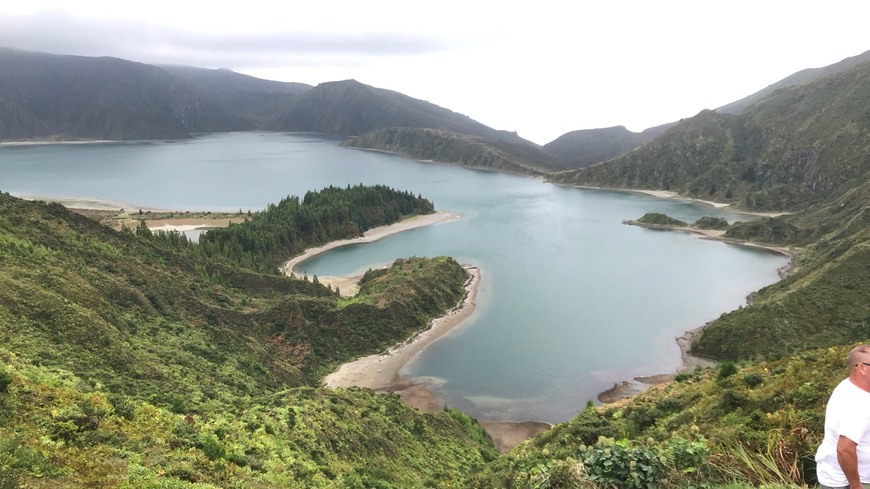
pixel 59 32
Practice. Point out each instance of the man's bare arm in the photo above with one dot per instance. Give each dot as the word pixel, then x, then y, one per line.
pixel 847 456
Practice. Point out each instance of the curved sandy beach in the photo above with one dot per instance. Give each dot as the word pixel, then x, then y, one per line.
pixel 347 285
pixel 381 371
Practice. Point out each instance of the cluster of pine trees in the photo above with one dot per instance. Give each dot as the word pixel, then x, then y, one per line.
pixel 282 230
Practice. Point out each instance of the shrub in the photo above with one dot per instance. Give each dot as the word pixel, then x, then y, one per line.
pixel 687 456
pixel 753 380
pixel 726 369
pixel 708 222
pixel 211 447
pixel 624 464
pixel 5 380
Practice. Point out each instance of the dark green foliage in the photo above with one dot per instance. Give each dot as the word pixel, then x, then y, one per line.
pixel 800 146
pixel 624 464
pixel 753 380
pixel 284 230
pixel 129 362
pixel 708 222
pixel 459 148
pixel 764 230
pixel 5 380
pixel 579 149
pixel 726 369
pixel 659 219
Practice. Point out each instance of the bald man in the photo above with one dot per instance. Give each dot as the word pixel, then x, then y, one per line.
pixel 843 458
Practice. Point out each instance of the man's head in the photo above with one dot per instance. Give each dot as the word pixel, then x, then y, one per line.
pixel 859 366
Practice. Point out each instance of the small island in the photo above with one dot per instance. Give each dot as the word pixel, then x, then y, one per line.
pixel 712 227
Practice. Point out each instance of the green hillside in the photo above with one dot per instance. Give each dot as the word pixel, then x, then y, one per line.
pixel 798 147
pixel 579 149
pixel 735 426
pixel 461 149
pixel 755 423
pixel 130 361
pixel 824 303
pixel 799 78
pixel 253 99
pixel 351 108
pixel 45 96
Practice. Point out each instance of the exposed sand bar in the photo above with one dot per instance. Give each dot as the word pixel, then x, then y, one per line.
pixel 348 285
pixel 381 371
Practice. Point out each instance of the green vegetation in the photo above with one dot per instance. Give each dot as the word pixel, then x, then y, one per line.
pixel 753 423
pixel 800 146
pixel 579 149
pixel 461 149
pixel 659 219
pixel 129 359
pixel 132 361
pixel 708 222
pixel 268 238
pixel 756 419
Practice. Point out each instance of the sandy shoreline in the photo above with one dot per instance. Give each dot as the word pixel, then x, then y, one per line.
pixel 381 371
pixel 347 284
pixel 627 388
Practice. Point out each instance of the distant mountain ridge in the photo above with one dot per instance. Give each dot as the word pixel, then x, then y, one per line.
pixel 585 147
pixel 46 96
pixel 799 78
pixel 61 97
pixel 351 108
pixel 800 146
pixel 462 149
pixel 256 100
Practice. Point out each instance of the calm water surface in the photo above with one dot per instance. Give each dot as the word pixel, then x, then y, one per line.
pixel 571 299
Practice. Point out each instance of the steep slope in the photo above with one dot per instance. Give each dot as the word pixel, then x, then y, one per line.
pixel 462 149
pixel 350 108
pixel 128 359
pixel 579 149
pixel 736 426
pixel 799 78
pixel 254 99
pixel 798 147
pixel 824 303
pixel 44 96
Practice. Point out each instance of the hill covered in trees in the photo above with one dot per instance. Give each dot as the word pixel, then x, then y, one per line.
pixel 45 96
pixel 130 360
pixel 461 149
pixel 586 147
pixel 266 239
pixel 799 147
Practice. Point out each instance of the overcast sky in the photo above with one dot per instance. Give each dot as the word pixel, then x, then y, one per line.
pixel 541 68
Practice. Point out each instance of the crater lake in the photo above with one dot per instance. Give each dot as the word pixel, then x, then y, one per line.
pixel 571 299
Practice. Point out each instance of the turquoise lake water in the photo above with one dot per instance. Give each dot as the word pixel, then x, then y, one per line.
pixel 571 299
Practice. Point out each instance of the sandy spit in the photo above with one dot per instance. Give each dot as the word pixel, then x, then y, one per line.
pixel 348 285
pixel 381 371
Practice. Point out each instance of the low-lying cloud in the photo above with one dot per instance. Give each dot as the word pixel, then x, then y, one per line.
pixel 61 33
